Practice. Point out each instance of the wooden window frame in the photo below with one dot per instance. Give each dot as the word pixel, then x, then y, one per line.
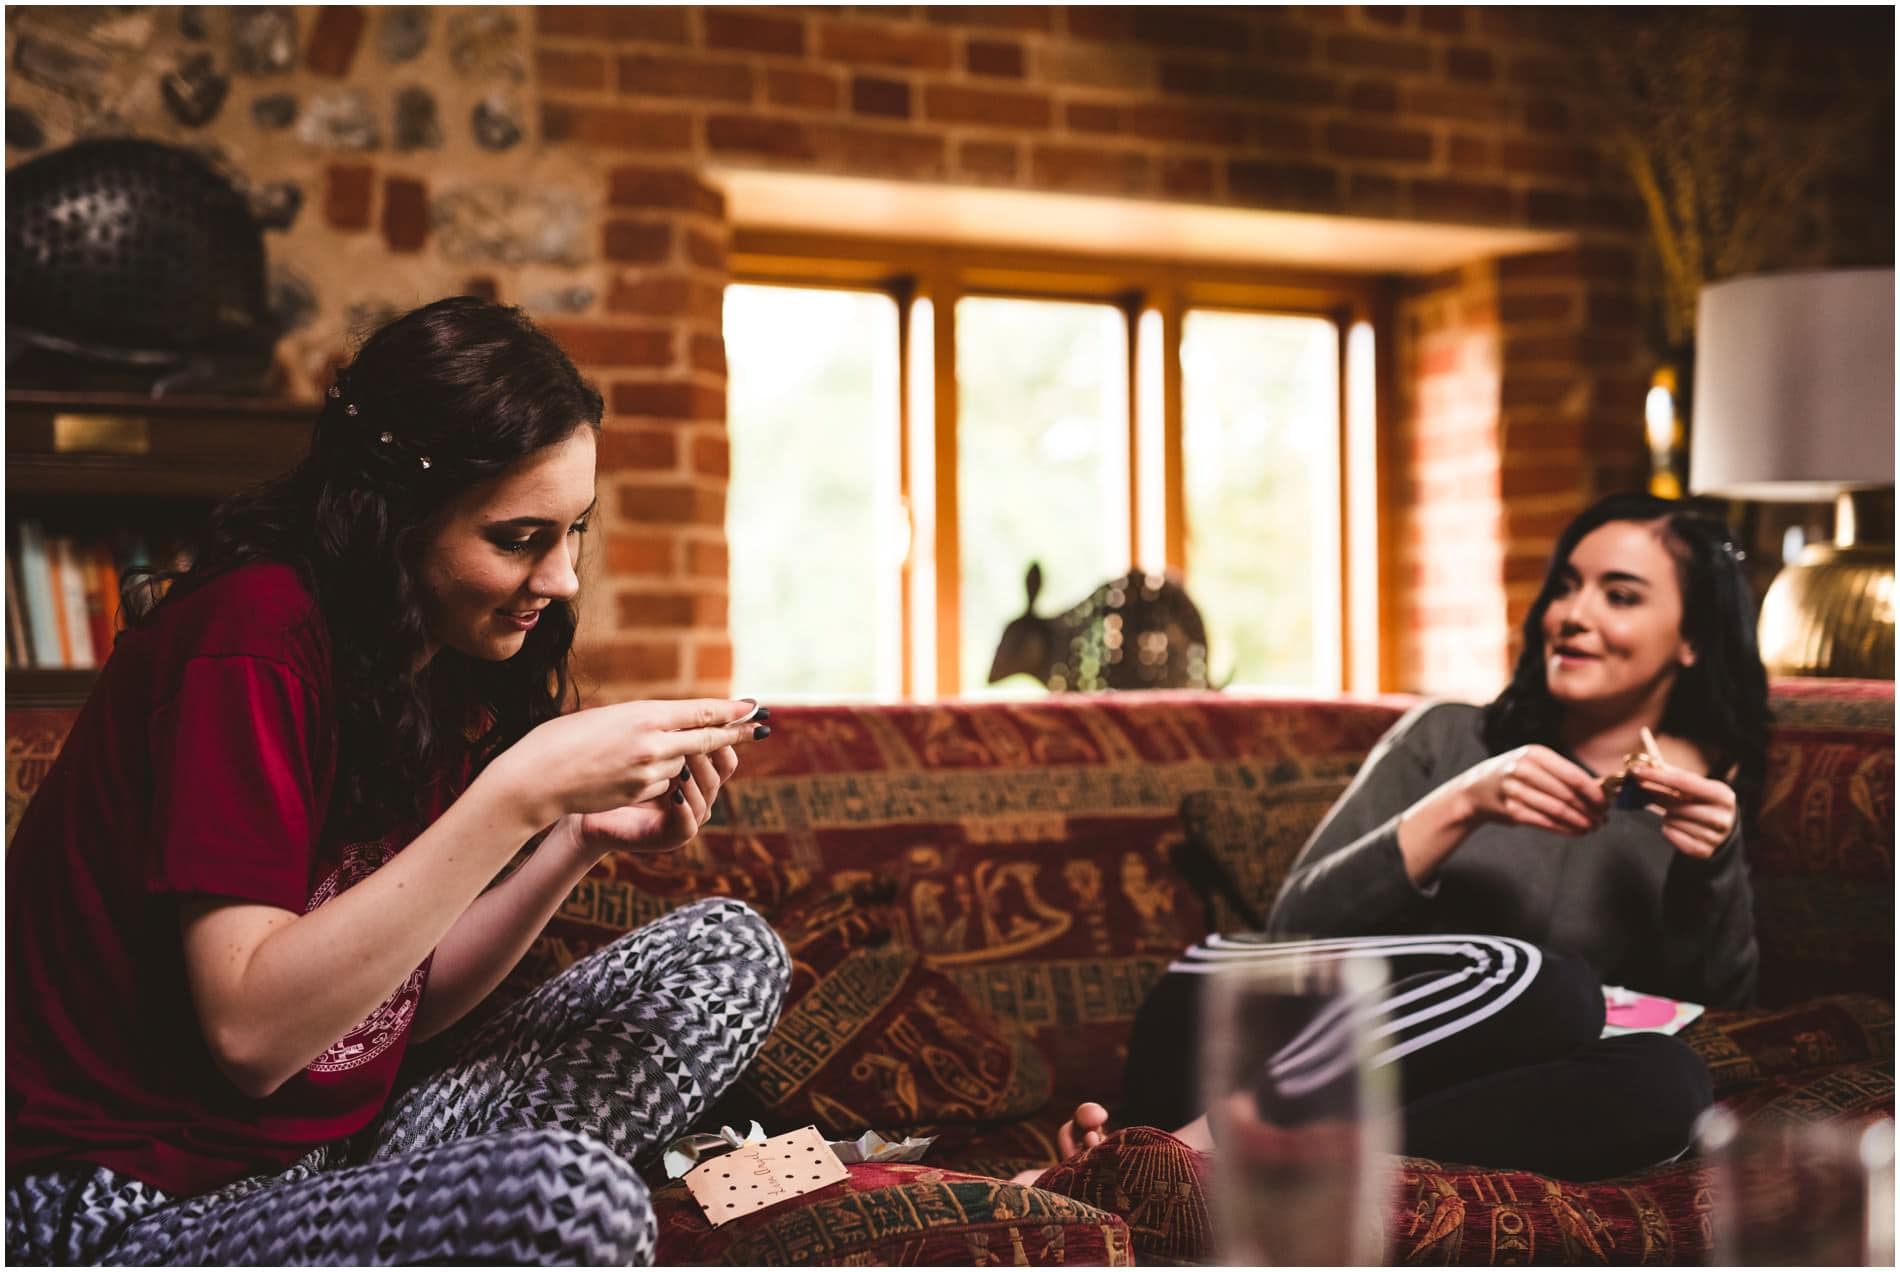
pixel 912 271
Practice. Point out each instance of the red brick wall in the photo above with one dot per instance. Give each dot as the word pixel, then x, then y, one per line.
pixel 656 348
pixel 1451 612
pixel 1442 114
pixel 1520 393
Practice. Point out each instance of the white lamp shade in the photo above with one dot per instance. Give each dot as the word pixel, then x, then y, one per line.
pixel 1794 385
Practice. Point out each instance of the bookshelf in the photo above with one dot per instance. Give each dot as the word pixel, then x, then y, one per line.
pixel 115 468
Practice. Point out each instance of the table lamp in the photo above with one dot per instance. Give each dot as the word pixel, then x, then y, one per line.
pixel 1794 403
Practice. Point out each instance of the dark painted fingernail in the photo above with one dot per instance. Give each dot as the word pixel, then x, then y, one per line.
pixel 761 733
pixel 682 773
pixel 679 796
pixel 763 713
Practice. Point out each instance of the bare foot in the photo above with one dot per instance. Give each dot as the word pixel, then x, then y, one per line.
pixel 1078 1135
pixel 1083 1131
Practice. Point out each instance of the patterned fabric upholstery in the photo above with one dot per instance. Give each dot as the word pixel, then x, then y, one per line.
pixel 1745 1048
pixel 902 1215
pixel 872 1037
pixel 1450 1214
pixel 34 736
pixel 1030 849
pixel 1155 1182
pixel 1823 852
pixel 1254 835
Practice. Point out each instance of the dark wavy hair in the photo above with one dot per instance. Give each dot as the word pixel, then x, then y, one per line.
pixel 438 400
pixel 1720 701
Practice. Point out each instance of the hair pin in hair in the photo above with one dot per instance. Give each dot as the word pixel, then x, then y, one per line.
pixel 385 438
pixel 335 392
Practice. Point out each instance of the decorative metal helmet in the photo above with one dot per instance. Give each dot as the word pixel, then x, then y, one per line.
pixel 139 256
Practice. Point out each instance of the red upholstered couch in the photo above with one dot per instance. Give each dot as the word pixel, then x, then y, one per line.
pixel 977 896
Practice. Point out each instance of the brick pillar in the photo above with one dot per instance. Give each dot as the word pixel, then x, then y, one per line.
pixel 1571 400
pixel 1450 611
pixel 656 621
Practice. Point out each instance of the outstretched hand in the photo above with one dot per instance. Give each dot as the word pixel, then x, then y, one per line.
pixel 612 759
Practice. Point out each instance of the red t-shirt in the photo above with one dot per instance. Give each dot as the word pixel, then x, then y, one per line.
pixel 202 765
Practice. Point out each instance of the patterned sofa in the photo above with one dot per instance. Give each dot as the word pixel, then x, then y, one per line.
pixel 977 895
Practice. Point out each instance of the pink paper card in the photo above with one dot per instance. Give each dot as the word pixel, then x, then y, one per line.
pixel 1626 1011
pixel 749 1179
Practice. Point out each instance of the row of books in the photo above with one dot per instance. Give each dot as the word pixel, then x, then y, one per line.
pixel 63 595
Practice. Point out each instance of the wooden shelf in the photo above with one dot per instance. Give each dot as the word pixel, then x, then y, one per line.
pixel 49 686
pixel 114 444
pixel 90 464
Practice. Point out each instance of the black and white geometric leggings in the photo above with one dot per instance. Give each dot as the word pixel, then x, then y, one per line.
pixel 519 1151
pixel 1496 1043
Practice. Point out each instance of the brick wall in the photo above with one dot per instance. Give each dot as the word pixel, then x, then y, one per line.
pixel 1451 542
pixel 1521 381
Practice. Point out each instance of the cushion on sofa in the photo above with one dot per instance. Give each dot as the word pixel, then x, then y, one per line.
pixel 1252 835
pixel 1151 1179
pixel 1821 854
pixel 871 1037
pixel 34 736
pixel 1742 1048
pixel 901 1215
pixel 1438 1214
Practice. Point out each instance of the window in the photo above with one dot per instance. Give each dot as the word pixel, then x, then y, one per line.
pixel 812 413
pixel 913 426
pixel 1042 459
pixel 1260 449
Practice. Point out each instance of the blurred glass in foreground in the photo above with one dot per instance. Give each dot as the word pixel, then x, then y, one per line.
pixel 1303 1125
pixel 1798 1194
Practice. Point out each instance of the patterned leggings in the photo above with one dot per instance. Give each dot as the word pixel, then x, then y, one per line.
pixel 518 1151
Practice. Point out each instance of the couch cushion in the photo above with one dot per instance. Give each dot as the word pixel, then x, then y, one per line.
pixel 1449 1214
pixel 873 1038
pixel 1821 855
pixel 1743 1048
pixel 1252 835
pixel 1439 1214
pixel 1856 1092
pixel 903 1215
pixel 1155 1182
pixel 34 736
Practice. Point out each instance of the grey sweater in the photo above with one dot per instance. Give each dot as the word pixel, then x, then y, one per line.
pixel 1621 898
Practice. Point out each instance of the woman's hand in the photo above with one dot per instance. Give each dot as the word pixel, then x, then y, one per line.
pixel 664 823
pixel 614 759
pixel 1698 813
pixel 1535 786
pixel 1531 786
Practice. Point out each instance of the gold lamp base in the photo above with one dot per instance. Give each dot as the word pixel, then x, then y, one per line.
pixel 1831 612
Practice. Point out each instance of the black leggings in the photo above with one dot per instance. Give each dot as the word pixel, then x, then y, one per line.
pixel 1507 1071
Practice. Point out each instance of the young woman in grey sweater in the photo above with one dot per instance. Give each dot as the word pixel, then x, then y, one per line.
pixel 1481 854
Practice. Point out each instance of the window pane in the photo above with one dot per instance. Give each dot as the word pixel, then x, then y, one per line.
pixel 1042 461
pixel 812 413
pixel 1260 445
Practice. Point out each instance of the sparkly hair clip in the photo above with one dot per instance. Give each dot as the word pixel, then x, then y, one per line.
pixel 385 437
pixel 389 439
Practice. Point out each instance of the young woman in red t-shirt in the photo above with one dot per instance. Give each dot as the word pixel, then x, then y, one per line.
pixel 266 861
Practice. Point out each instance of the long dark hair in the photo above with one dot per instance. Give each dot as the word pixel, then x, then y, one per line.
pixel 1720 701
pixel 438 400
